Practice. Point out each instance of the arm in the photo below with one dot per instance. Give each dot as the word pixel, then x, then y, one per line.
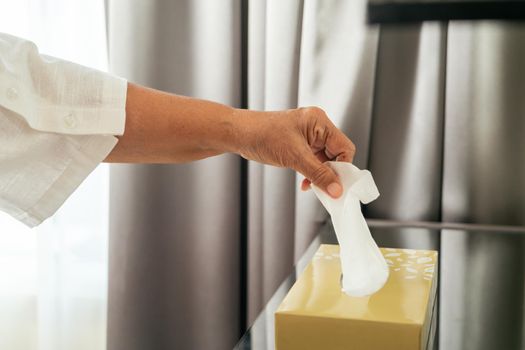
pixel 166 128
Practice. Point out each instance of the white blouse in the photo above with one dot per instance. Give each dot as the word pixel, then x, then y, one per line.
pixel 57 123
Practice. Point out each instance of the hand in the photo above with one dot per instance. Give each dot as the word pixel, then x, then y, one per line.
pixel 301 139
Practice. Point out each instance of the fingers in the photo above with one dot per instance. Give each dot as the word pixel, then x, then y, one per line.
pixel 321 175
pixel 305 184
pixel 339 146
pixel 322 156
pixel 326 142
pixel 322 134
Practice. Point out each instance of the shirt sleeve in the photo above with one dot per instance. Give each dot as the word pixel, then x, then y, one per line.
pixel 57 123
pixel 54 95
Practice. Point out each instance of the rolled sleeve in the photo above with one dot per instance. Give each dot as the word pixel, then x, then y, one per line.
pixel 57 123
pixel 58 96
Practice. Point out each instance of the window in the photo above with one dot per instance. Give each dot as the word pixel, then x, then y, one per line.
pixel 53 279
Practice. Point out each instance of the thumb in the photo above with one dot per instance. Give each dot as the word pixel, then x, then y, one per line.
pixel 321 175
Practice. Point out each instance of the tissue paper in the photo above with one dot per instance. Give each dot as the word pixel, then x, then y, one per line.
pixel 363 267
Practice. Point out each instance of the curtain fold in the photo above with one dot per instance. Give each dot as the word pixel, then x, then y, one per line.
pixel 407 133
pixel 337 67
pixel 274 76
pixel 406 141
pixel 174 229
pixel 484 182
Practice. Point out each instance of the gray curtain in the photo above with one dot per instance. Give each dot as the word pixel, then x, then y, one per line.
pixel 436 112
pixel 484 182
pixel 174 230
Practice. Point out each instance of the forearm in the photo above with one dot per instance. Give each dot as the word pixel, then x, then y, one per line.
pixel 166 128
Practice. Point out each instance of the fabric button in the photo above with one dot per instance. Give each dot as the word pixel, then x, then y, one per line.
pixel 11 93
pixel 70 120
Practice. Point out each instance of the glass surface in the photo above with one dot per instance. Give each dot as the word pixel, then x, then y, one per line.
pixel 473 259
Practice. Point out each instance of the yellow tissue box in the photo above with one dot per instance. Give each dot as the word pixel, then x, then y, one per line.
pixel 317 314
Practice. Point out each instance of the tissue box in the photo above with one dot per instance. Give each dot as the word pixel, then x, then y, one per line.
pixel 317 314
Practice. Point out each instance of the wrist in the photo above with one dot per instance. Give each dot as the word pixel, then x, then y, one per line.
pixel 243 130
pixel 220 128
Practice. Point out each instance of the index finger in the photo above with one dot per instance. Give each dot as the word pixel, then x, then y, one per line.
pixel 339 146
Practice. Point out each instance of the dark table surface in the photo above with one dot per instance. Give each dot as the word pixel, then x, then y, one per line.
pixel 398 11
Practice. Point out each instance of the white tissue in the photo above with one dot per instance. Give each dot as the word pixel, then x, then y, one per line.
pixel 364 268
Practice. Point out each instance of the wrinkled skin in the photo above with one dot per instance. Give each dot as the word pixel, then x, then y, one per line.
pixel 301 139
pixel 167 128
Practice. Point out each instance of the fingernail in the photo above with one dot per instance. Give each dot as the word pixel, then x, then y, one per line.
pixel 334 189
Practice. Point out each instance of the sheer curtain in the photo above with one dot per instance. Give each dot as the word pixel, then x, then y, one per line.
pixel 53 285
